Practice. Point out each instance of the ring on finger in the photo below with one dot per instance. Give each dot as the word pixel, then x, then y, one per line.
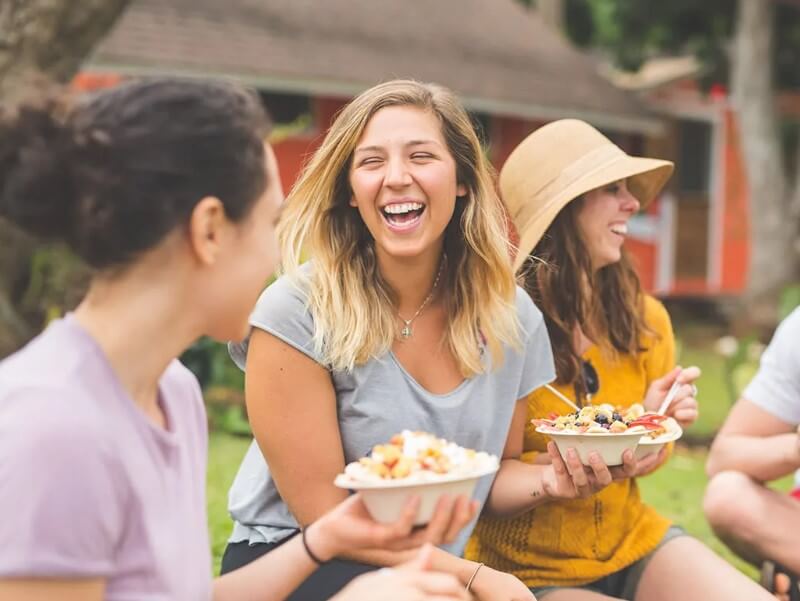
pixel 694 390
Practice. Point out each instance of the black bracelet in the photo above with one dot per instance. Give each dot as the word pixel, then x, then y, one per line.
pixel 311 554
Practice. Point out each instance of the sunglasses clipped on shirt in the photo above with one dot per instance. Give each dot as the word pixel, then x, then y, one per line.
pixel 591 381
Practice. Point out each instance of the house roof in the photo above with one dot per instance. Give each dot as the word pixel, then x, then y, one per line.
pixel 500 57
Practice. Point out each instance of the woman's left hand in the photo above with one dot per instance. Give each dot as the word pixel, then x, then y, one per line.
pixel 684 407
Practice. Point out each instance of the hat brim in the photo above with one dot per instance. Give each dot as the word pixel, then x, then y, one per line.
pixel 646 177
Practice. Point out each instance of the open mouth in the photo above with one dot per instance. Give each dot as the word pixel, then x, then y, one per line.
pixel 620 229
pixel 403 215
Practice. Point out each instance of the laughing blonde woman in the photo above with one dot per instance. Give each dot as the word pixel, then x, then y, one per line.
pixel 407 317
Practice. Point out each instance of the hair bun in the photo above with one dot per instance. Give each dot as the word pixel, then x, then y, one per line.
pixel 36 190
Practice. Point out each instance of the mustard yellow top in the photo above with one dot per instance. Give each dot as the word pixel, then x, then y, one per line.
pixel 574 542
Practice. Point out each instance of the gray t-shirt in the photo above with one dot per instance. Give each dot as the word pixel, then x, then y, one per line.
pixel 379 399
pixel 776 386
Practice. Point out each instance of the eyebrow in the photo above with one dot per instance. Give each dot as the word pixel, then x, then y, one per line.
pixel 407 144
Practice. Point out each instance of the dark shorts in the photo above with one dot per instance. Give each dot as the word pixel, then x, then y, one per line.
pixel 621 584
pixel 324 583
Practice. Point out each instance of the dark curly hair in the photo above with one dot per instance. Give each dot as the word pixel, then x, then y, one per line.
pixel 112 175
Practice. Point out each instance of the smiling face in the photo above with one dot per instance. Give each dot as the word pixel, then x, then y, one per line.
pixel 603 221
pixel 403 181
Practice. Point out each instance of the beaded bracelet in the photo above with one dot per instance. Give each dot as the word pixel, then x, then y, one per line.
pixel 311 554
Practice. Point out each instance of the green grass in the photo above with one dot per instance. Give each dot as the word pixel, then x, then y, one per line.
pixel 225 453
pixel 714 395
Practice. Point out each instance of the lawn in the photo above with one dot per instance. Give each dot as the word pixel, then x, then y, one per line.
pixel 225 453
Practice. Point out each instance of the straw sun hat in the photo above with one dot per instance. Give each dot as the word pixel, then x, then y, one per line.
pixel 559 162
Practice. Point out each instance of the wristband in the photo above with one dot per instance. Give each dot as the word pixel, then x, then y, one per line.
pixel 311 554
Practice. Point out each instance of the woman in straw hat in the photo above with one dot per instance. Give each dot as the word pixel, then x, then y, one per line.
pixel 571 193
pixel 385 328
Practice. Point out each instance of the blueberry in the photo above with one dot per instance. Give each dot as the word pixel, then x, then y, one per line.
pixel 617 417
pixel 601 419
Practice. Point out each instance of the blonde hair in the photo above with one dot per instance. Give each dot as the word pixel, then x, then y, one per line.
pixel 353 307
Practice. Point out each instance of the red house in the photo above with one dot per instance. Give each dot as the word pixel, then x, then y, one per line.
pixel 512 71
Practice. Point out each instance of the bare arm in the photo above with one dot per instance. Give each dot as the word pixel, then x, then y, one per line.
pixel 290 403
pixel 47 590
pixel 756 443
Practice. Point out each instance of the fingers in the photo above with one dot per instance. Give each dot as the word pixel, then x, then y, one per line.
pixel 423 560
pixel 580 479
pixel 435 531
pixel 665 381
pixel 685 408
pixel 601 472
pixel 689 375
pixel 650 461
pixel 629 463
pixel 396 535
pixel 465 509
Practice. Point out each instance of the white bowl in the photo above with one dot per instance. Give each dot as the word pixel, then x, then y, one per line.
pixel 649 445
pixel 609 445
pixel 385 499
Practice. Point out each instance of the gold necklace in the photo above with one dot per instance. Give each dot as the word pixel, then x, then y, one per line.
pixel 406 332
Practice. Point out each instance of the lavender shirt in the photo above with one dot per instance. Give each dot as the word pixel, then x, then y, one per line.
pixel 90 488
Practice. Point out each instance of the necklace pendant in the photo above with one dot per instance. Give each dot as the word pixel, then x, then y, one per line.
pixel 406 331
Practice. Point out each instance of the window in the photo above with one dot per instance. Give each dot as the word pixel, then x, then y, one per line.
pixel 694 156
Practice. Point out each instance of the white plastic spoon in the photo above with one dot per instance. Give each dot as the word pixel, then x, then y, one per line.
pixel 562 397
pixel 673 390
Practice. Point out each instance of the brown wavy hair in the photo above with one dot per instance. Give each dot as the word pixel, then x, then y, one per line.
pixel 607 304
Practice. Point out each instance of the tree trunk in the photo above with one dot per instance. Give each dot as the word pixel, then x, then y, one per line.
pixel 773 261
pixel 39 40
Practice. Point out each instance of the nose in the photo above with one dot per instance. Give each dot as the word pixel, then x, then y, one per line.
pixel 397 174
pixel 628 202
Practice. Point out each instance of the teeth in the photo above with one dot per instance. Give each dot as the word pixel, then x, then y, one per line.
pixel 621 229
pixel 403 207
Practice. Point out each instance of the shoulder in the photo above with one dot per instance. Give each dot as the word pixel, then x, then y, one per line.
pixel 788 330
pixel 284 298
pixel 282 310
pixel 784 349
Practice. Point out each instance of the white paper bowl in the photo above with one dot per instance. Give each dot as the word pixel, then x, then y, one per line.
pixel 649 445
pixel 609 445
pixel 385 500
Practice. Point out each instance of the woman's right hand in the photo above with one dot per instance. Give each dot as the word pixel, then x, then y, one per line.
pixel 349 526
pixel 413 581
pixel 570 479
